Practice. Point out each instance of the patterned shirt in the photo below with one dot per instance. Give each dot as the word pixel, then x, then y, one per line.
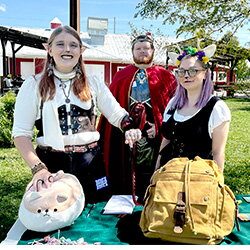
pixel 140 90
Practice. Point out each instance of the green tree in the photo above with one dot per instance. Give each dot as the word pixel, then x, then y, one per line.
pixel 228 46
pixel 230 40
pixel 243 77
pixel 192 15
pixel 7 103
pixel 243 71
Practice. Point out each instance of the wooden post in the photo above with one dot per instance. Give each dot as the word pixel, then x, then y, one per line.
pixel 74 14
pixel 13 59
pixel 3 42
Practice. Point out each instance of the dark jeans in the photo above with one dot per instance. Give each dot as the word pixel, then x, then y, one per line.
pixel 88 167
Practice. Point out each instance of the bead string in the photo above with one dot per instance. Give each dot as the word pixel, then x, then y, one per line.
pixel 47 240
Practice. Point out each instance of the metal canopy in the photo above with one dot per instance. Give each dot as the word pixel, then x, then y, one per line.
pixel 21 38
pixel 30 40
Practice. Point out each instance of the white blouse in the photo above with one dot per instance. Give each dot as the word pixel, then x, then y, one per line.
pixel 220 114
pixel 27 111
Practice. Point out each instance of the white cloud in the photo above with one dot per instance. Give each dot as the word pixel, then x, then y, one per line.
pixel 2 7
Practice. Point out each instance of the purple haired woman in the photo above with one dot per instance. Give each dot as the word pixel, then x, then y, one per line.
pixel 195 122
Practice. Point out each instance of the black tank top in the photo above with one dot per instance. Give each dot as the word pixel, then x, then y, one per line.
pixel 189 138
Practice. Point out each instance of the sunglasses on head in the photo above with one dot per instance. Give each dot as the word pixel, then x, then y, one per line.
pixel 142 38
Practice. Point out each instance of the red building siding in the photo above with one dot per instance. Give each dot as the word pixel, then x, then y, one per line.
pixel 18 64
pixel 106 69
pixel 221 75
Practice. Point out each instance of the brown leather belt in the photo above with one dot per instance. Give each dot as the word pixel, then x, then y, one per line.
pixel 73 148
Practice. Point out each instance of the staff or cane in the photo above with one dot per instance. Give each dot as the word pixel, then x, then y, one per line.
pixel 138 113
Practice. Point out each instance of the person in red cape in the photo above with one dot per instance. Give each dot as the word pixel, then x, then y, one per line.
pixel 153 86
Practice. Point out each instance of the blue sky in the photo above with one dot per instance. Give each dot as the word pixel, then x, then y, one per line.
pixel 39 13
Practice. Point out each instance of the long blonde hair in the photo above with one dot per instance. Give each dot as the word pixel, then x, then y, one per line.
pixel 80 85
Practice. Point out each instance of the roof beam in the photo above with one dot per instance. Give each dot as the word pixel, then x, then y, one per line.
pixel 22 38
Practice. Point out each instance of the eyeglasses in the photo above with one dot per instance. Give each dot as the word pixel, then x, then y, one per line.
pixel 191 72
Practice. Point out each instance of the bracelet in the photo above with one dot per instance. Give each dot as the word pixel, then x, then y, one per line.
pixel 37 167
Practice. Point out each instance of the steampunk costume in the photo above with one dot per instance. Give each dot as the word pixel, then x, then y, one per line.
pixel 67 137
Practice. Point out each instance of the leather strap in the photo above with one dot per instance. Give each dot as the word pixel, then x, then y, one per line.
pixel 80 148
pixel 72 148
pixel 180 212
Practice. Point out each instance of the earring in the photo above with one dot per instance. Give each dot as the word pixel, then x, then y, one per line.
pixel 50 67
pixel 78 71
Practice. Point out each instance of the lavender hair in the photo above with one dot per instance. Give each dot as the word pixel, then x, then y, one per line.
pixel 180 97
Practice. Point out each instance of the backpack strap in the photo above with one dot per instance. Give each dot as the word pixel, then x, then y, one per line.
pixel 180 213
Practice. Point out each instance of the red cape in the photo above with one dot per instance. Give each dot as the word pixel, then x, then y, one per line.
pixel 161 84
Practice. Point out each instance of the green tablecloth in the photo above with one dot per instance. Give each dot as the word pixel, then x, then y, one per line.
pixel 242 237
pixel 111 230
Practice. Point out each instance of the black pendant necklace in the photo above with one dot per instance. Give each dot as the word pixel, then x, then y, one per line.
pixel 63 86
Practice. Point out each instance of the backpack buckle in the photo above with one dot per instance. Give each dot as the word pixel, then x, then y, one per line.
pixel 180 213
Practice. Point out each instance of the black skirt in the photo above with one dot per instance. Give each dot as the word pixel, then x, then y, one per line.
pixel 88 167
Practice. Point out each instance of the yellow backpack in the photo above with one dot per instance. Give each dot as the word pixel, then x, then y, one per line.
pixel 187 202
